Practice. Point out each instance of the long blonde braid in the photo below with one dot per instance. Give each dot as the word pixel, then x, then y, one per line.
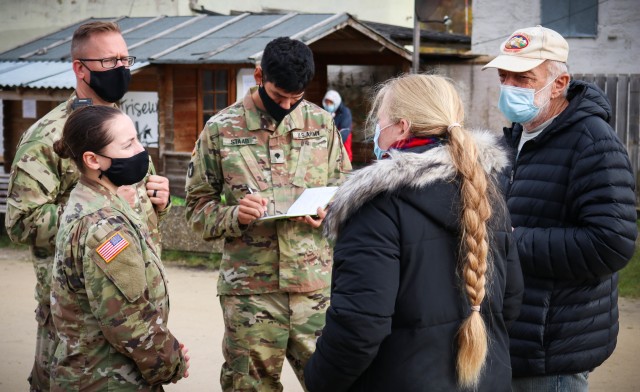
pixel 431 104
pixel 476 211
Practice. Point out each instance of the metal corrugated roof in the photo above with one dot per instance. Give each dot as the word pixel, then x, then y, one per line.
pixel 40 74
pixel 214 39
pixel 24 73
pixel 188 39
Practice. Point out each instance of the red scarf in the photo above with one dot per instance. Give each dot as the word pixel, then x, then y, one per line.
pixel 413 142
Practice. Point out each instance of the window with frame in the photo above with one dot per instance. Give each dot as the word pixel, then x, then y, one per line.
pixel 214 87
pixel 571 18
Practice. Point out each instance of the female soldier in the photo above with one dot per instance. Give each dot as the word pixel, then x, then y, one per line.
pixel 109 297
pixel 425 276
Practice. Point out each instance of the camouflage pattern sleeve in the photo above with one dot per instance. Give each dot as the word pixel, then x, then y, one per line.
pixel 39 187
pixel 204 186
pixel 130 309
pixel 31 211
pixel 339 164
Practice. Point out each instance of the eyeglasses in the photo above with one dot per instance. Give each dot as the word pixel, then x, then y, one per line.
pixel 111 62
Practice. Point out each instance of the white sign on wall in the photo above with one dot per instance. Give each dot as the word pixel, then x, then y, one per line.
pixel 28 108
pixel 244 81
pixel 142 107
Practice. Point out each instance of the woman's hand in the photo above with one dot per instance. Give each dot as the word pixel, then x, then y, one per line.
pixel 187 359
pixel 158 191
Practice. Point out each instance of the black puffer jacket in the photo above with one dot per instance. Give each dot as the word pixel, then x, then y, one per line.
pixel 572 204
pixel 396 299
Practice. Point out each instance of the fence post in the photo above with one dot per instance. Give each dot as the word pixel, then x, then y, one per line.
pixel 621 109
pixel 600 80
pixel 611 90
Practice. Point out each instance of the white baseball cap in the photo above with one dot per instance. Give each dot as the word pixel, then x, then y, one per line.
pixel 527 48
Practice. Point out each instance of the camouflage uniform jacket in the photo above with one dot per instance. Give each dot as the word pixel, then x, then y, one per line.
pixel 39 188
pixel 242 147
pixel 109 299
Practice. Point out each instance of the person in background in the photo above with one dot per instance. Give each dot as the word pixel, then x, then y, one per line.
pixel 109 298
pixel 572 204
pixel 261 153
pixel 40 181
pixel 426 278
pixel 332 103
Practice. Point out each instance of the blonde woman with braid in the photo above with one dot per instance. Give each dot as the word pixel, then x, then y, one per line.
pixel 425 279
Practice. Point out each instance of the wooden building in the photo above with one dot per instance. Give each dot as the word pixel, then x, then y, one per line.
pixel 187 68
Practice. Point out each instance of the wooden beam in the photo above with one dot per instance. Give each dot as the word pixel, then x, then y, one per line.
pixel 392 46
pixel 384 58
pixel 38 95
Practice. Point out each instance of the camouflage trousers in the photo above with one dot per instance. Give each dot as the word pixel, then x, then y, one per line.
pixel 46 337
pixel 261 329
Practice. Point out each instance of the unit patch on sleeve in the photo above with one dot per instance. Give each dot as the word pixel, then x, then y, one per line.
pixel 112 247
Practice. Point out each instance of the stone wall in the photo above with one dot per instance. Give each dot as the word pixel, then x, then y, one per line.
pixel 177 235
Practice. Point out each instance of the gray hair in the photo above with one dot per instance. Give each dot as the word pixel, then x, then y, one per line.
pixel 555 69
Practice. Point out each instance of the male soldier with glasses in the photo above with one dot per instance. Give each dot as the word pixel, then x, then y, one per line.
pixel 40 181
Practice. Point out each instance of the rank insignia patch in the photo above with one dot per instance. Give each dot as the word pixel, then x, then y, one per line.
pixel 112 247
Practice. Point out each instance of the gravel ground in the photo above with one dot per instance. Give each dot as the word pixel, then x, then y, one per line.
pixel 196 320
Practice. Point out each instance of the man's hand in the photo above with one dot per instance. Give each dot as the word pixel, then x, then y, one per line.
pixel 187 359
pixel 158 191
pixel 315 223
pixel 251 207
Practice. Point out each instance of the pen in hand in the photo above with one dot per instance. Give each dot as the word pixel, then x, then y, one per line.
pixel 251 193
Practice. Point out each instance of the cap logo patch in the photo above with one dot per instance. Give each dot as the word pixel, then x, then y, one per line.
pixel 112 247
pixel 517 42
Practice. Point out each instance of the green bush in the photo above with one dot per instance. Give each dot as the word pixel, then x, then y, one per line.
pixel 5 241
pixel 629 285
pixel 210 261
pixel 179 201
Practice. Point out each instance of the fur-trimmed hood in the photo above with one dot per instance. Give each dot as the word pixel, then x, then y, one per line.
pixel 406 169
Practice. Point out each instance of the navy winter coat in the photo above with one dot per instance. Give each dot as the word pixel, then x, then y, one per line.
pixel 343 121
pixel 572 203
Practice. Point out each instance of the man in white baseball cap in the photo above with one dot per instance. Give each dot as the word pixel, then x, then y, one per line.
pixel 572 205
pixel 527 48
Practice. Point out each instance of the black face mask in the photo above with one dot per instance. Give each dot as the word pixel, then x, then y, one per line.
pixel 110 85
pixel 127 171
pixel 276 111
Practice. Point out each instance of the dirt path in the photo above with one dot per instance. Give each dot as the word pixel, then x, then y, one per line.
pixel 196 320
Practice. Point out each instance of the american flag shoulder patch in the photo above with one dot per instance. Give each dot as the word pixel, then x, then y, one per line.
pixel 112 247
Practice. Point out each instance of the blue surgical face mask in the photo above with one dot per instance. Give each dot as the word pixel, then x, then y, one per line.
pixel 329 108
pixel 376 148
pixel 518 103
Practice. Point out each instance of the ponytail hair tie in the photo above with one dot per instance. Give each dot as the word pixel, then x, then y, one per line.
pixel 69 148
pixel 475 308
pixel 453 125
